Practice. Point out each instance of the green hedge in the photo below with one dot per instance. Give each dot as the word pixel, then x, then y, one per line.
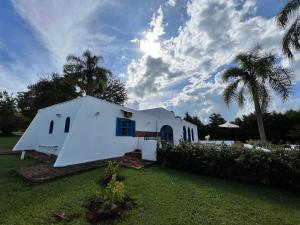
pixel 277 168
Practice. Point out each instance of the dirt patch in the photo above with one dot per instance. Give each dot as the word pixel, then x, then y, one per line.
pixel 98 211
pixel 64 216
pixel 8 152
pixel 42 157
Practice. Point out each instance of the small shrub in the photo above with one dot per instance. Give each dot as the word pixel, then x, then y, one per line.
pixel 112 204
pixel 111 169
pixel 114 192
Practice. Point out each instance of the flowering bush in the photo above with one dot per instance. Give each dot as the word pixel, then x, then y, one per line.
pixel 278 167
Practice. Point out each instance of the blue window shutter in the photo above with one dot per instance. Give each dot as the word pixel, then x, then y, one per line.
pixel 133 128
pixel 119 127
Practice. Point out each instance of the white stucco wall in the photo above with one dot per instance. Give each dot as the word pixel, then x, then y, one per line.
pixel 37 134
pixel 92 134
pixel 148 148
pixel 93 137
pixel 177 126
pixel 159 113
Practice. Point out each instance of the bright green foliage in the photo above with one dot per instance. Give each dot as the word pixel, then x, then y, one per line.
pixel 276 168
pixel 114 191
pixel 162 195
pixel 112 168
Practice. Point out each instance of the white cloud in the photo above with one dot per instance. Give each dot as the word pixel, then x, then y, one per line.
pixel 9 82
pixel 150 44
pixel 215 32
pixel 62 26
pixel 171 3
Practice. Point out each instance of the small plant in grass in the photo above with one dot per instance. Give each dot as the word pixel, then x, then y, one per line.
pixel 112 204
pixel 114 192
pixel 111 169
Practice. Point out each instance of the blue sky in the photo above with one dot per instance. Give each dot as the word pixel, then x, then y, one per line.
pixel 169 53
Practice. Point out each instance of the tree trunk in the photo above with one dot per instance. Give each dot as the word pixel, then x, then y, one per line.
pixel 90 87
pixel 259 118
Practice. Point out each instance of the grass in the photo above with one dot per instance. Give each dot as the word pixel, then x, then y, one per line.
pixel 8 142
pixel 163 196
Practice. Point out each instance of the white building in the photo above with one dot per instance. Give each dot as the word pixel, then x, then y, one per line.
pixel 88 129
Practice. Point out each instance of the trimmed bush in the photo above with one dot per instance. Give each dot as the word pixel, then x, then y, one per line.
pixel 279 168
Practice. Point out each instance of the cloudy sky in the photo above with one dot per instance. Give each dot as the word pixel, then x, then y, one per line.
pixel 170 53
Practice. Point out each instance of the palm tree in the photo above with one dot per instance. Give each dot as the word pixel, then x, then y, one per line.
pixel 256 72
pixel 85 72
pixel 292 35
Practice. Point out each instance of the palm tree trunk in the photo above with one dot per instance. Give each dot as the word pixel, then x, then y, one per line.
pixel 89 90
pixel 259 118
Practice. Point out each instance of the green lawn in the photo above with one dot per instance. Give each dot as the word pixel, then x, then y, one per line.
pixel 163 196
pixel 8 142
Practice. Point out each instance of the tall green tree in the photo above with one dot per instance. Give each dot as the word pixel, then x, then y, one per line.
pixel 291 37
pixel 255 72
pixel 188 117
pixel 113 91
pixel 9 119
pixel 215 120
pixel 86 73
pixel 50 90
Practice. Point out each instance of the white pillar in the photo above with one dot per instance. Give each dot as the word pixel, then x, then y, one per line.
pixel 23 155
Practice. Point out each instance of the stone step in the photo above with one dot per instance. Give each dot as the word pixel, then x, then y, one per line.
pixel 135 154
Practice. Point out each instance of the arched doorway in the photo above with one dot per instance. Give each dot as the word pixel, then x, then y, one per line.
pixel 166 133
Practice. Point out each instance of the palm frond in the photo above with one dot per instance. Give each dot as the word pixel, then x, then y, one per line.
pixel 231 73
pixel 75 59
pixel 287 11
pixel 91 59
pixel 230 92
pixel 291 39
pixel 264 64
pixel 281 81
